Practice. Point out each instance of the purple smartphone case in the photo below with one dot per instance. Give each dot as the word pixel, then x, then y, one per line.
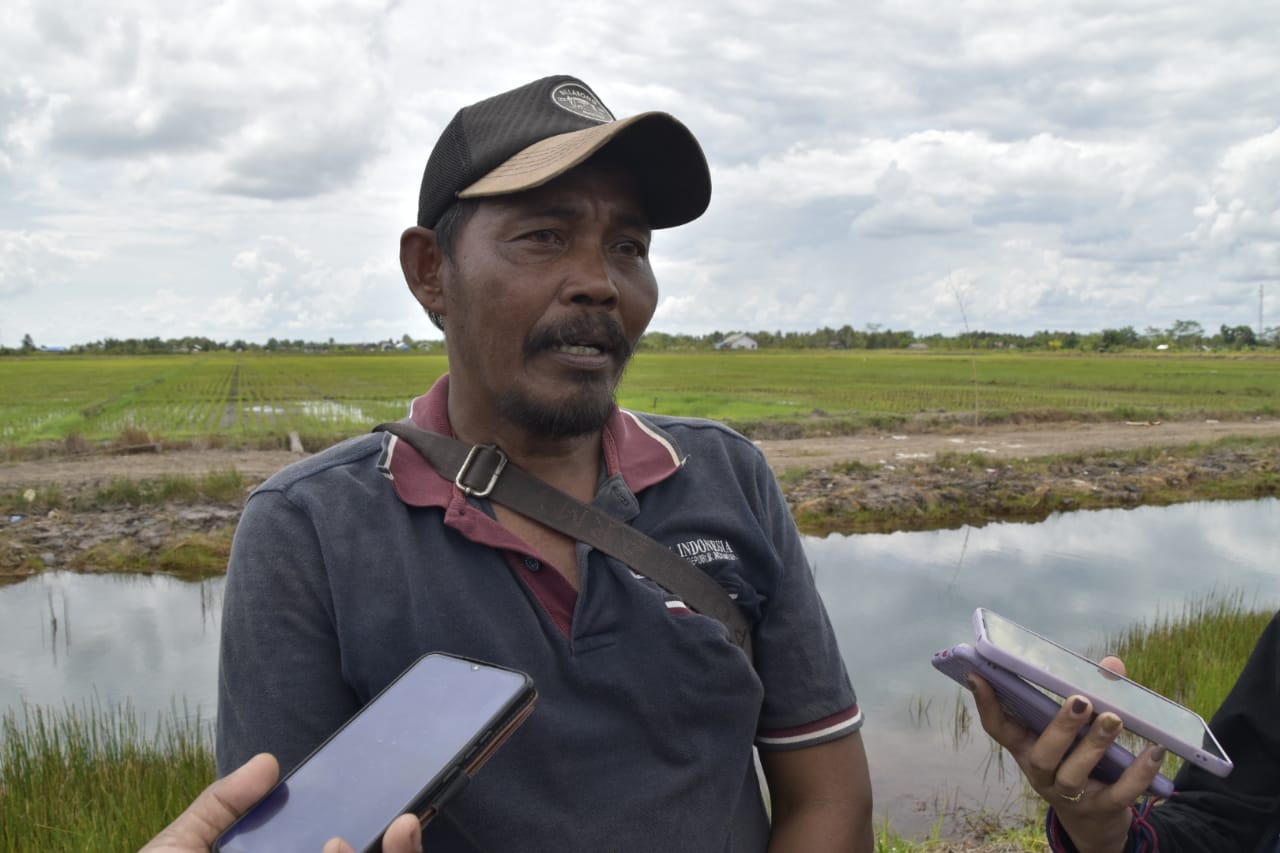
pixel 1133 722
pixel 1032 707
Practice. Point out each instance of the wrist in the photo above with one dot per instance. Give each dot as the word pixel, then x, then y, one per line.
pixel 1090 834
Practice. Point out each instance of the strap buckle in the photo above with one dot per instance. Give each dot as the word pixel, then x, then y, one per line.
pixel 473 456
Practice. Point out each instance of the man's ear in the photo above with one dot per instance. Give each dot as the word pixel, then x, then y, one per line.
pixel 423 263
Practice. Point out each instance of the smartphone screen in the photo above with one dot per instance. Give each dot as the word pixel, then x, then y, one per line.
pixel 1144 712
pixel 409 748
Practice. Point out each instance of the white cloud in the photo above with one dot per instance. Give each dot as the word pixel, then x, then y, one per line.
pixel 32 261
pixel 1083 167
pixel 1243 215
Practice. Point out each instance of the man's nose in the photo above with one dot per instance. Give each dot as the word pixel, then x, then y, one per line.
pixel 590 279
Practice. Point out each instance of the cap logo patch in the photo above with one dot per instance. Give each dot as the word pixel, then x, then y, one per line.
pixel 581 101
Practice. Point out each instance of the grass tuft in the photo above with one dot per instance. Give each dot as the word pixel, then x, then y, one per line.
pixel 92 778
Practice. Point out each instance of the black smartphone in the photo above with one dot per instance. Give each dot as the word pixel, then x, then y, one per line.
pixel 410 749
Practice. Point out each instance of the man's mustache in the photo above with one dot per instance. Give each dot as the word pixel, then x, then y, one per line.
pixel 602 332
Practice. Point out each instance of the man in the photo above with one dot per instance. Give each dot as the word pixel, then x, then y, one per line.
pixel 532 254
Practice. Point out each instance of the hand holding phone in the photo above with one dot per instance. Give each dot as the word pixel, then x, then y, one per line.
pixel 1033 708
pixel 410 749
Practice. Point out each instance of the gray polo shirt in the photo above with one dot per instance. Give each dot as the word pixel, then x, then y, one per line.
pixel 350 564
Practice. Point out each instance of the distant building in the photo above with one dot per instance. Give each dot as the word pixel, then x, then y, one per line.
pixel 917 345
pixel 738 340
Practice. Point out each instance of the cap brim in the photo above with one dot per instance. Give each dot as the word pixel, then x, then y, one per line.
pixel 666 157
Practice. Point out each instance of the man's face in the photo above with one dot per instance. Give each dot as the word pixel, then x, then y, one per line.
pixel 548 293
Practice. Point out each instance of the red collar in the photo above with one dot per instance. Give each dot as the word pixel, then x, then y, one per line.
pixel 631 447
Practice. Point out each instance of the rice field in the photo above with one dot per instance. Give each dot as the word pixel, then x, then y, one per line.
pixel 259 398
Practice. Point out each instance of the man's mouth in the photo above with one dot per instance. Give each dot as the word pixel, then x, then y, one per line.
pixel 583 338
pixel 579 349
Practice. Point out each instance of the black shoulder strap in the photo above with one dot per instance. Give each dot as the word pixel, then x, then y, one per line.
pixel 484 471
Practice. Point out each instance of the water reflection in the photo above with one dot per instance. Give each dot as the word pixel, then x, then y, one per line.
pixel 894 599
pixel 68 638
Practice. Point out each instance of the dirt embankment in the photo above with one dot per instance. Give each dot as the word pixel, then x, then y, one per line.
pixel 899 481
pixel 919 481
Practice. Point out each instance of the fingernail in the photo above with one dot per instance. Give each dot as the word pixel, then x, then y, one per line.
pixel 1079 706
pixel 1157 755
pixel 1110 723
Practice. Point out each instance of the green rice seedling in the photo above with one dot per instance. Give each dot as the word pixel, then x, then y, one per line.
pixel 963 461
pixel 792 476
pixel 199 556
pixel 75 443
pixel 188 556
pixel 88 777
pixel 854 466
pixel 889 841
pixel 226 486
pixel 174 488
pixel 120 491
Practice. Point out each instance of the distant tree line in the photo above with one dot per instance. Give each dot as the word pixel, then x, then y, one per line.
pixel 1185 335
pixel 196 344
pixel 1182 335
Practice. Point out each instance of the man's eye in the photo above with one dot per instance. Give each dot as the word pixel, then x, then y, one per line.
pixel 633 248
pixel 542 235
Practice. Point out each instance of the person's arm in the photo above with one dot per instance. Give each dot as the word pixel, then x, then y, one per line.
pixel 218 806
pixel 280 682
pixel 819 793
pixel 820 798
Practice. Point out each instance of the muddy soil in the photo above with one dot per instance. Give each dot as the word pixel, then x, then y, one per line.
pixel 894 475
pixel 88 471
pixel 916 482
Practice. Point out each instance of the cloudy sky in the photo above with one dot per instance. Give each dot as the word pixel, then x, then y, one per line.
pixel 244 169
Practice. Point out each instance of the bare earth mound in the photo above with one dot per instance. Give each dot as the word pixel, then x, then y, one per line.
pixel 896 478
pixel 1000 441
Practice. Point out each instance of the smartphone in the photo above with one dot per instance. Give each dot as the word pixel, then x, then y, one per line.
pixel 1033 708
pixel 1054 667
pixel 410 749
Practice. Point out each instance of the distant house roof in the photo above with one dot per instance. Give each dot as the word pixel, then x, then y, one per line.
pixel 738 340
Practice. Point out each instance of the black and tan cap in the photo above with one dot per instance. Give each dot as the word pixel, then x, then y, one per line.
pixel 524 138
